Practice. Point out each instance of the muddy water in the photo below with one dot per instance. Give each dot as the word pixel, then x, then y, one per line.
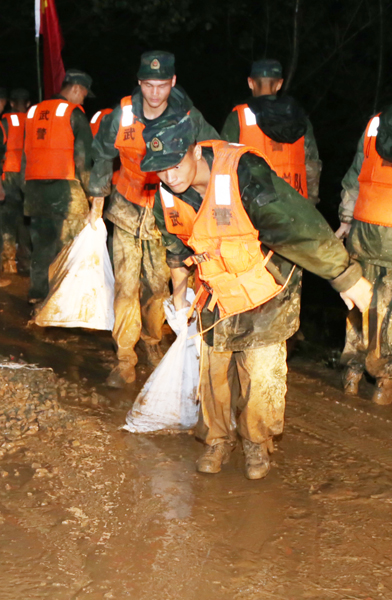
pixel 88 511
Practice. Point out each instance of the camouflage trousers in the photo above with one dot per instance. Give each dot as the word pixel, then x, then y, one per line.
pixel 48 236
pixel 251 385
pixel 141 285
pixel 15 235
pixel 369 335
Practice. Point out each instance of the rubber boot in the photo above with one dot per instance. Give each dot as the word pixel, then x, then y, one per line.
pixel 383 392
pixel 9 254
pixel 154 354
pixel 351 379
pixel 214 457
pixel 257 462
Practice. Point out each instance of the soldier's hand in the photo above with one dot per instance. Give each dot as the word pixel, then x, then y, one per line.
pixel 359 295
pixel 95 212
pixel 343 231
pixel 2 193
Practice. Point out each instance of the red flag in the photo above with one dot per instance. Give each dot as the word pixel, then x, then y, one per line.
pixel 54 72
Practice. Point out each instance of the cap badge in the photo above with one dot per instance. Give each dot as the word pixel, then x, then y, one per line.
pixel 156 145
pixel 155 64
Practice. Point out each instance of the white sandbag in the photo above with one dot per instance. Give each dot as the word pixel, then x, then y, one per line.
pixel 81 284
pixel 168 398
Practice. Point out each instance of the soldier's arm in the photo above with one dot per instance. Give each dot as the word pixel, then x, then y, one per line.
pixel 350 185
pixel 291 226
pixel 313 165
pixel 3 141
pixel 82 147
pixel 204 131
pixel 104 152
pixel 231 128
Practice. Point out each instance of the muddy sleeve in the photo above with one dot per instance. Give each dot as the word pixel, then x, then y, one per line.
pixel 231 128
pixel 82 147
pixel 104 152
pixel 176 251
pixel 313 165
pixel 292 227
pixel 350 185
pixel 204 131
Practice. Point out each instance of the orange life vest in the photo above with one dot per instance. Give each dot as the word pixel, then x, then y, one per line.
pixel 132 183
pixel 15 139
pixel 97 118
pixel 288 160
pixel 231 264
pixel 49 144
pixel 374 202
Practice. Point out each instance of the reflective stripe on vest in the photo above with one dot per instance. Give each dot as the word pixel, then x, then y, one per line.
pixel 15 139
pixel 49 145
pixel 132 183
pixel 97 120
pixel 229 258
pixel 374 202
pixel 288 160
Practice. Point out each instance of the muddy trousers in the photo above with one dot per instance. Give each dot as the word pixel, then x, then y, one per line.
pixel 48 236
pixel 369 335
pixel 251 384
pixel 15 235
pixel 141 285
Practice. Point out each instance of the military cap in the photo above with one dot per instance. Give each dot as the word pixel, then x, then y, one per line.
pixel 3 93
pixel 266 67
pixel 167 141
pixel 156 65
pixel 73 76
pixel 19 94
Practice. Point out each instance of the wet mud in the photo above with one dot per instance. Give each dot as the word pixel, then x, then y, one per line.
pixel 91 512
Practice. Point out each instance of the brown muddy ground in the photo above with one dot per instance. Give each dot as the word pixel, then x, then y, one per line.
pixel 90 512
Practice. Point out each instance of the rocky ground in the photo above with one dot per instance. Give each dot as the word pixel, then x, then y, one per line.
pixel 88 511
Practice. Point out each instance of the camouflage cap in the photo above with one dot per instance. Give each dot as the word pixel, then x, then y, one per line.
pixel 167 141
pixel 73 76
pixel 266 67
pixel 156 65
pixel 19 94
pixel 3 93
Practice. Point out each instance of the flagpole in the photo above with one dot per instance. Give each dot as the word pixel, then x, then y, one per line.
pixel 37 14
pixel 38 70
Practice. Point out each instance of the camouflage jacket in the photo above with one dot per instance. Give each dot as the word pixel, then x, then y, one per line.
pixel 298 234
pixel 133 218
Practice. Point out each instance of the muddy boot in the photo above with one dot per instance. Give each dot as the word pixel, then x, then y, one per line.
pixel 351 379
pixel 257 462
pixel 9 255
pixel 154 354
pixel 122 375
pixel 214 457
pixel 383 392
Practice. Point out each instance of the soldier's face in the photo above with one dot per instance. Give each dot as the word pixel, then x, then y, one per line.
pixel 77 94
pixel 156 92
pixel 3 102
pixel 182 176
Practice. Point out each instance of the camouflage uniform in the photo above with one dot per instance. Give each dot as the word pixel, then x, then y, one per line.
pixel 137 247
pixel 58 208
pixel 369 336
pixel 244 358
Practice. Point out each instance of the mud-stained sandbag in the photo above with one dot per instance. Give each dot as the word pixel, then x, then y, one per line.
pixel 81 284
pixel 168 398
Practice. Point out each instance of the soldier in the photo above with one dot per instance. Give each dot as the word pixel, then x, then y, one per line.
pixel 216 201
pixel 366 219
pixel 15 234
pixel 139 260
pixel 279 128
pixel 96 119
pixel 58 164
pixel 3 99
